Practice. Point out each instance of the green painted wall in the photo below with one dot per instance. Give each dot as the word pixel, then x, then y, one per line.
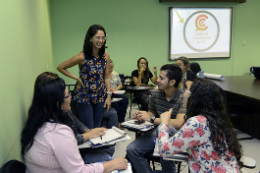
pixel 134 28
pixel 25 47
pixel 141 28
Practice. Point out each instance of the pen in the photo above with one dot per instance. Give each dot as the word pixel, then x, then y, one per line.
pixel 101 137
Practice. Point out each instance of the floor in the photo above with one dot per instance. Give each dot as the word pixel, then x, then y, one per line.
pixel 251 148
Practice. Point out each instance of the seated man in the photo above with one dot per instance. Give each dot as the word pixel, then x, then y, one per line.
pixel 168 96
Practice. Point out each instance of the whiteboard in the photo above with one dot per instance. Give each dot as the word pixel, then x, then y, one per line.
pixel 200 32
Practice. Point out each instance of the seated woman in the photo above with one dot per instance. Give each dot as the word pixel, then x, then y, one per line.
pixel 188 75
pixel 207 133
pixel 80 130
pixel 47 136
pixel 141 77
pixel 116 84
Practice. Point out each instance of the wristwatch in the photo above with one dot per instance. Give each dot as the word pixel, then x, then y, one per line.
pixel 152 118
pixel 109 93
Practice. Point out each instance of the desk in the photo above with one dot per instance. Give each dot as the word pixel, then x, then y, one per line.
pixel 244 89
pixel 246 86
pixel 133 90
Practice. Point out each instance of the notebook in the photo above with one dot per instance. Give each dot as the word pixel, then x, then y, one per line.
pixel 111 135
pixel 143 126
pixel 88 144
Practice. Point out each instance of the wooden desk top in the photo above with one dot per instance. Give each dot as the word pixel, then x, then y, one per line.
pixel 247 86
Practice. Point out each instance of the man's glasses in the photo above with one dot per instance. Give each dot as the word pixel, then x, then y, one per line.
pixel 68 95
pixel 102 38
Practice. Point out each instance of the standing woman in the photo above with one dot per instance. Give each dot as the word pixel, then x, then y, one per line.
pixel 141 77
pixel 188 75
pixel 92 93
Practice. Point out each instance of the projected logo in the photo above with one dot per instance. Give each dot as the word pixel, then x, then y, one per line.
pixel 200 22
pixel 201 31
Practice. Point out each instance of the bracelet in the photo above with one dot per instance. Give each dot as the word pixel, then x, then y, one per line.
pixel 109 93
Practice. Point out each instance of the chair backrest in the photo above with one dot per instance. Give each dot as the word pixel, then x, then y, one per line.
pixel 195 67
pixel 13 166
pixel 122 78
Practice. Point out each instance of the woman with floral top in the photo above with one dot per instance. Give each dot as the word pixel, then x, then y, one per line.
pixel 92 93
pixel 207 133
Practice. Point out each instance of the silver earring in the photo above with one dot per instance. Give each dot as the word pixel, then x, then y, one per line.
pixel 62 108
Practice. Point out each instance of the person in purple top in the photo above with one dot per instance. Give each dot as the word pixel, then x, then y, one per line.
pixel 48 143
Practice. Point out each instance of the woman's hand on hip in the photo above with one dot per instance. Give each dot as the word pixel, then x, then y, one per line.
pixel 108 102
pixel 80 83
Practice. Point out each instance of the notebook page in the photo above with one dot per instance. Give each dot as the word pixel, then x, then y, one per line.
pixel 110 135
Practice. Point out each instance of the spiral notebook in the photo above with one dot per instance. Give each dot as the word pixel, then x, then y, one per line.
pixel 111 135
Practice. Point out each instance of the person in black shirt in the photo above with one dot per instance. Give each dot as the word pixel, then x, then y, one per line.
pixel 141 77
pixel 188 76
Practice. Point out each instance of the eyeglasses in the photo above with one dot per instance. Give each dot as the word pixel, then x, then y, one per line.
pixel 102 38
pixel 68 95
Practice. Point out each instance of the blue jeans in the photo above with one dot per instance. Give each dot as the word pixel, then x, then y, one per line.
pixel 143 145
pixel 91 114
pixel 120 106
pixel 110 119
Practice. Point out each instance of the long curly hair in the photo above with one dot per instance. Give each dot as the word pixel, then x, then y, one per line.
pixel 206 99
pixel 88 48
pixel 147 70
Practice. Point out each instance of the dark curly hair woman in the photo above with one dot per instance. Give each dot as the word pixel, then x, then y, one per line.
pixel 207 133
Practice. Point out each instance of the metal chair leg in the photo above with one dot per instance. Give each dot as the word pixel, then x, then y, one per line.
pixel 130 109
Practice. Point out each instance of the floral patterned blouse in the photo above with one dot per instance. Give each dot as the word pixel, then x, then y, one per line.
pixel 194 137
pixel 92 75
pixel 115 80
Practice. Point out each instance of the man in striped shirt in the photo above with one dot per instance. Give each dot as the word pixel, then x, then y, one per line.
pixel 167 96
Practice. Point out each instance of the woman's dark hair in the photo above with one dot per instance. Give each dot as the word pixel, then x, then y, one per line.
pixel 44 77
pixel 147 70
pixel 46 105
pixel 173 73
pixel 206 99
pixel 87 48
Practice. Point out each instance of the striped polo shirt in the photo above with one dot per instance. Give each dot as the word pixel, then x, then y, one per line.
pixel 158 103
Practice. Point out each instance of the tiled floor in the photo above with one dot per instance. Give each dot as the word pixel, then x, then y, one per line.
pixel 251 148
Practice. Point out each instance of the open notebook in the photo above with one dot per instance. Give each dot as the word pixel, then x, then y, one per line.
pixel 88 144
pixel 111 135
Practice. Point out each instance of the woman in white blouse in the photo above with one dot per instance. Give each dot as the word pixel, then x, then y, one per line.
pixel 48 145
